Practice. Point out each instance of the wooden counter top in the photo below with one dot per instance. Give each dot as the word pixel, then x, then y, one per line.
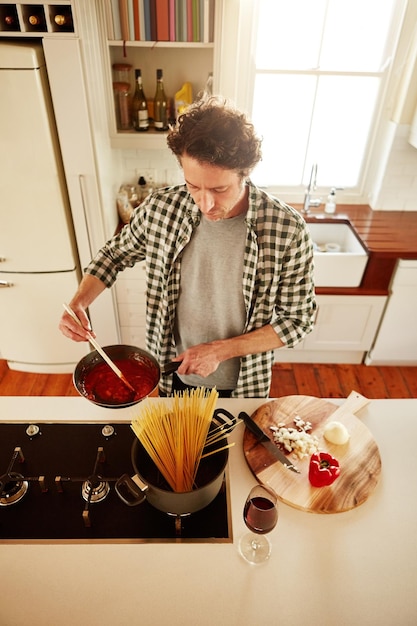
pixel 387 235
pixel 391 233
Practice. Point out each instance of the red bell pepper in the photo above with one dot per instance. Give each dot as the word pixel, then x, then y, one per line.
pixel 324 469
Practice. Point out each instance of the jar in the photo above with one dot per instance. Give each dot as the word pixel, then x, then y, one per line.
pixel 122 73
pixel 127 200
pixel 122 105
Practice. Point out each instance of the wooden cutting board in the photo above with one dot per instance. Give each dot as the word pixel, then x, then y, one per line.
pixel 359 458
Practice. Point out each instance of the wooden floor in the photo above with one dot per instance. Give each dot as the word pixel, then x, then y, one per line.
pixel 318 380
pixel 337 381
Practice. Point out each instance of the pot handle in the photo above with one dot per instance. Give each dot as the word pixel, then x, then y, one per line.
pixel 226 420
pixel 131 490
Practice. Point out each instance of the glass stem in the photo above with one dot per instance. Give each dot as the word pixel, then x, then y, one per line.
pixel 255 544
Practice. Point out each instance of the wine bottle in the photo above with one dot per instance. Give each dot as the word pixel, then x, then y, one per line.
pixel 160 104
pixel 9 21
pixel 63 21
pixel 36 20
pixel 140 113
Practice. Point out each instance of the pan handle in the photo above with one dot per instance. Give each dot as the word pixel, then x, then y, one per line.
pixel 131 490
pixel 170 368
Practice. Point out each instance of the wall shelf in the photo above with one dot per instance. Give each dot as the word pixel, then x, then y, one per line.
pixel 151 140
pixel 160 44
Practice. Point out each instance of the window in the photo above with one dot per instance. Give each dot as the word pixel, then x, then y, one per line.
pixel 320 74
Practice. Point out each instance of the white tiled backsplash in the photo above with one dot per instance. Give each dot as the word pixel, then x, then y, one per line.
pixel 398 189
pixel 159 165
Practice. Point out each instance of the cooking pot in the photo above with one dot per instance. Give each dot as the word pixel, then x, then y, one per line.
pixel 148 483
pixel 121 352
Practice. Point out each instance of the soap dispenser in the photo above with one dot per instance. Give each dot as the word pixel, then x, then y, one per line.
pixel 330 206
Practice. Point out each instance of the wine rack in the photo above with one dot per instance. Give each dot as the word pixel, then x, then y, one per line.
pixel 34 19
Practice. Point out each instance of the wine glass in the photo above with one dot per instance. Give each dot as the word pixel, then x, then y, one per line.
pixel 261 515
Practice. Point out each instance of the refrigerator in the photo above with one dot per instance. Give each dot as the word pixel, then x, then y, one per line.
pixel 39 266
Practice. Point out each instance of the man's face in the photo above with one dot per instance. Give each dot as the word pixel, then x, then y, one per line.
pixel 219 193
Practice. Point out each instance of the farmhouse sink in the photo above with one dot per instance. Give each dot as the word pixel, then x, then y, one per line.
pixel 339 256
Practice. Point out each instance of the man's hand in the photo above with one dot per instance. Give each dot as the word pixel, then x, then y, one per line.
pixel 69 327
pixel 201 360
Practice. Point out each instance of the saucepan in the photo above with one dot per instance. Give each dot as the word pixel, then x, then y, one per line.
pixel 148 483
pixel 95 381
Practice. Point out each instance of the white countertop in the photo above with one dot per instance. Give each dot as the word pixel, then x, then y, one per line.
pixel 356 568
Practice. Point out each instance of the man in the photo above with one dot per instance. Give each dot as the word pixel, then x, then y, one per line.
pixel 229 268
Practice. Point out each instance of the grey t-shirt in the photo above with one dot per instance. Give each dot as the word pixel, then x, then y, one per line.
pixel 211 304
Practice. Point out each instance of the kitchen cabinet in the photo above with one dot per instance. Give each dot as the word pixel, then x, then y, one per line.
pixel 344 330
pixel 396 341
pixel 180 61
pixel 87 169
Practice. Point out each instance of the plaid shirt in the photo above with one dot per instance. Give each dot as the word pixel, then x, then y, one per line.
pixel 277 278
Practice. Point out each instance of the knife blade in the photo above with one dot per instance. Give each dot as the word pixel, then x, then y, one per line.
pixel 267 442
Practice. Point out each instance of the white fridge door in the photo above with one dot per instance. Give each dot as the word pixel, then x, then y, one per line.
pixel 30 310
pixel 36 231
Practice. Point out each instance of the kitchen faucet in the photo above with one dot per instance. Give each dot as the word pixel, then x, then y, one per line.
pixel 308 202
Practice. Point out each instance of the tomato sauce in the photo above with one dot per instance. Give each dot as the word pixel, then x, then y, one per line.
pixel 102 385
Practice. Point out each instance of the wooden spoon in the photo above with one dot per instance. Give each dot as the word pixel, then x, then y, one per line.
pixel 100 350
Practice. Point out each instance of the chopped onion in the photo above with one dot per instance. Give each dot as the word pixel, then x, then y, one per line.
pixel 296 439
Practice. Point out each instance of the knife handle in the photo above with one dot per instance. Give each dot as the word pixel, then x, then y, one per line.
pixel 253 427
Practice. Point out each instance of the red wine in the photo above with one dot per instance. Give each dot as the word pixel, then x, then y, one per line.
pixel 260 515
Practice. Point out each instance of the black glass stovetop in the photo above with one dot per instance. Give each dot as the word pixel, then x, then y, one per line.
pixel 54 510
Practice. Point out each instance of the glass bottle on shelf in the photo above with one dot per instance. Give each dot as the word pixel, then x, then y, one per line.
pixel 142 188
pixel 140 113
pixel 9 20
pixel 208 89
pixel 62 20
pixel 160 104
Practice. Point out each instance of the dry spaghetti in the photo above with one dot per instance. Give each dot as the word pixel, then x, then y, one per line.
pixel 174 435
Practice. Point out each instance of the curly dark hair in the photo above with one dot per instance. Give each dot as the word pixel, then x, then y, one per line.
pixel 213 131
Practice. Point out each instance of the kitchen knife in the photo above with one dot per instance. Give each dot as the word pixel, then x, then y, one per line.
pixel 266 442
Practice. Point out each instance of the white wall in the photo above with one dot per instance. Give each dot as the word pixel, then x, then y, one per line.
pixel 396 189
